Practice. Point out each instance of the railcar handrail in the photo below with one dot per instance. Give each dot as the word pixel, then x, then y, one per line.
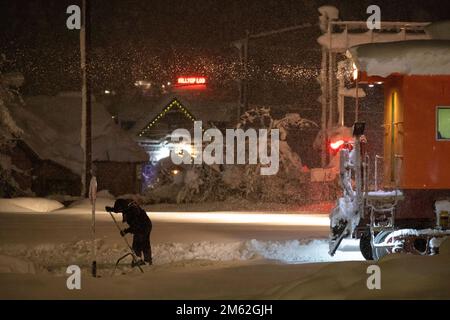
pixel 397 162
pixel 377 156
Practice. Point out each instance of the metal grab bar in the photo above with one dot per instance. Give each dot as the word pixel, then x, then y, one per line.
pixel 397 164
pixel 376 170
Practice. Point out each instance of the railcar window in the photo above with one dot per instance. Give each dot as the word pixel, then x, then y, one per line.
pixel 443 123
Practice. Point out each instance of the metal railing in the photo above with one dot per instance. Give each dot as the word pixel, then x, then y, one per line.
pixel 377 157
pixel 352 31
pixel 385 25
pixel 398 158
pixel 398 162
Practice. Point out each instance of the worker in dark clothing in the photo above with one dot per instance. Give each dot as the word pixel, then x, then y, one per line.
pixel 139 224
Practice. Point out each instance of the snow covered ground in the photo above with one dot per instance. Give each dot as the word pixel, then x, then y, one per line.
pixel 200 255
pixel 28 205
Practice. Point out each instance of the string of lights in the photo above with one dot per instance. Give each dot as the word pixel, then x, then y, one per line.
pixel 173 103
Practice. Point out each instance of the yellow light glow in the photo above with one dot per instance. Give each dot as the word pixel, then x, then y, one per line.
pixel 244 217
pixel 355 72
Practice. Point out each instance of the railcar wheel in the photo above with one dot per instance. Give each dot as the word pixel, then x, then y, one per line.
pixel 420 245
pixel 365 246
pixel 380 252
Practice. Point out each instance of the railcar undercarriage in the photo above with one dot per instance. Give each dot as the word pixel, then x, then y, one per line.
pixel 370 214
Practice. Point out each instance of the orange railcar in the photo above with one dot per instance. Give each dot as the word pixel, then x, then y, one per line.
pixel 416 78
pixel 416 154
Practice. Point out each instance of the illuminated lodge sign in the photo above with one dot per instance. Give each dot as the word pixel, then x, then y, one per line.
pixel 191 81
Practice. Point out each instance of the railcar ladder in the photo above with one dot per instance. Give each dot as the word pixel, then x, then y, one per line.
pixel 382 204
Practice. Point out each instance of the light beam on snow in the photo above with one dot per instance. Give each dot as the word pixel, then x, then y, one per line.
pixel 279 218
pixel 243 217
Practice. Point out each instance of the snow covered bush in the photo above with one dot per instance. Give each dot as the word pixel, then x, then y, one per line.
pixel 200 183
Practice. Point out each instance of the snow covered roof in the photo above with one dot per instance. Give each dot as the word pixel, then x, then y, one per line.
pixel 418 57
pixel 341 41
pixel 351 92
pixel 51 128
pixel 201 108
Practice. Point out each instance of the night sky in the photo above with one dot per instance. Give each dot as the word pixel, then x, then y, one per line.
pixel 159 39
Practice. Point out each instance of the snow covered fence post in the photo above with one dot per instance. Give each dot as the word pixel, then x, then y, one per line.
pixel 92 198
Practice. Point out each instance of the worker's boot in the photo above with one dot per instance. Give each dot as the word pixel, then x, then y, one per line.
pixel 148 256
pixel 136 263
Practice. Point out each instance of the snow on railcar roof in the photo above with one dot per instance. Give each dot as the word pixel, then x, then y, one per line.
pixel 415 57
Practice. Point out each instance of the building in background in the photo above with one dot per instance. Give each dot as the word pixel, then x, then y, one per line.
pixel 151 115
pixel 49 149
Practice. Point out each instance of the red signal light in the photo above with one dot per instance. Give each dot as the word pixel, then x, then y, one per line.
pixel 337 144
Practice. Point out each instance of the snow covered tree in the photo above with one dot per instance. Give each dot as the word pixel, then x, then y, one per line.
pixel 200 183
pixel 9 131
pixel 289 183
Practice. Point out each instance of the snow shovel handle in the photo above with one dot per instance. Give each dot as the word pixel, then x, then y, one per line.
pixel 120 229
pixel 115 221
pixel 135 258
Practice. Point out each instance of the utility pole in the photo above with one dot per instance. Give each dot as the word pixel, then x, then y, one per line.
pixel 324 101
pixel 86 107
pixel 242 45
pixel 245 87
pixel 86 122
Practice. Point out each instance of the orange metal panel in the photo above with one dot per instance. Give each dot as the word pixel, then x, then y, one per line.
pixel 426 161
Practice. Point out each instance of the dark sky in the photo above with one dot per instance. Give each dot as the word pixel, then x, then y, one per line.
pixel 158 38
pixel 190 22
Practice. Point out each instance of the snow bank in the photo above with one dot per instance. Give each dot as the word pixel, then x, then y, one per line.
pixel 51 256
pixel 439 30
pixel 297 251
pixel 105 194
pixel 104 198
pixel 15 265
pixel 29 205
pixel 418 57
pixel 290 251
pixel 63 197
pixel 83 205
pixel 403 276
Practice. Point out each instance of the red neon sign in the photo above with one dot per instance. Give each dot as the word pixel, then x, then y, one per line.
pixel 191 80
